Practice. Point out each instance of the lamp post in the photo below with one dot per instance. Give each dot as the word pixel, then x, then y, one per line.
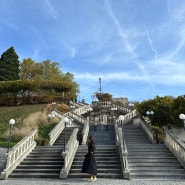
pixel 131 105
pixel 11 122
pixel 121 118
pixel 182 117
pixel 49 118
pixel 72 108
pixel 65 120
pixel 156 132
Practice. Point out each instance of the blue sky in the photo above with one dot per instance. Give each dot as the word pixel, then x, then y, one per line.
pixel 137 47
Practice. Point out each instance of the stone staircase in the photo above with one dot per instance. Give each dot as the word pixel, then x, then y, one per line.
pixel 149 161
pixel 103 134
pixel 44 161
pixel 106 155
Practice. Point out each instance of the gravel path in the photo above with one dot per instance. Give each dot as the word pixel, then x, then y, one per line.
pixel 85 182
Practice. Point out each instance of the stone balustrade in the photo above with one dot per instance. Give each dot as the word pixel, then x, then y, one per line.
pixel 55 132
pixel 121 108
pixel 175 145
pixel 146 127
pixel 69 154
pixel 18 153
pixel 123 152
pixel 85 132
pixel 77 117
pixel 127 117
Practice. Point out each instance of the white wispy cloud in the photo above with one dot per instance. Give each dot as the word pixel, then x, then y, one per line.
pixel 129 47
pixel 151 42
pixel 73 52
pixel 52 10
pixel 121 32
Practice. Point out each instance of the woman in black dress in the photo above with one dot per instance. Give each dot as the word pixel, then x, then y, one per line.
pixel 89 164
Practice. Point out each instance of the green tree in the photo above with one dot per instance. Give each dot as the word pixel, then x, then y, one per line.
pixel 29 70
pixel 9 65
pixel 50 71
pixel 178 107
pixel 162 107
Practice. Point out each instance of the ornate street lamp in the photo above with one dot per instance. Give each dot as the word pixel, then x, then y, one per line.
pixel 148 113
pixel 65 120
pixel 11 122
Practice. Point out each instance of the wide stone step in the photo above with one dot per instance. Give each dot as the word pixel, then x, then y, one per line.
pixel 98 162
pixel 39 166
pixel 159 175
pixel 35 175
pixel 44 159
pixel 37 170
pixel 100 175
pixel 109 166
pixel 147 146
pixel 100 170
pixel 100 155
pixel 40 155
pixel 159 165
pixel 151 157
pixel 158 170
pixel 26 162
pixel 152 160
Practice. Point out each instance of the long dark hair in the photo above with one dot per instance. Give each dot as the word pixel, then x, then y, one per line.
pixel 91 139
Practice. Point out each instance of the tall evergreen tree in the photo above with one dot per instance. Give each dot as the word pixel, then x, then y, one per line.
pixel 9 65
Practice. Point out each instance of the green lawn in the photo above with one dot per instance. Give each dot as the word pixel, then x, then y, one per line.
pixel 14 112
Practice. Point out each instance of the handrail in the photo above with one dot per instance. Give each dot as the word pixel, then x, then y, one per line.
pixel 123 152
pixel 175 145
pixel 85 132
pixel 18 153
pixel 69 154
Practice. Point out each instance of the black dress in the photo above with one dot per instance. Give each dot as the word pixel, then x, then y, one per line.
pixel 89 164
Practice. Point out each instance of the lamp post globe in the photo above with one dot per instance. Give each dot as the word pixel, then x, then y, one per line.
pixel 182 116
pixel 12 121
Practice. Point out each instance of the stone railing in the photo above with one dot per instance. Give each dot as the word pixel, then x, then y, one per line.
pixel 55 132
pixel 127 117
pixel 82 110
pixel 18 153
pixel 146 127
pixel 77 117
pixel 121 108
pixel 76 104
pixel 85 132
pixel 123 152
pixel 69 154
pixel 175 145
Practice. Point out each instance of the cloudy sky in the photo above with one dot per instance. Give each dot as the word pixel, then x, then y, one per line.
pixel 136 47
